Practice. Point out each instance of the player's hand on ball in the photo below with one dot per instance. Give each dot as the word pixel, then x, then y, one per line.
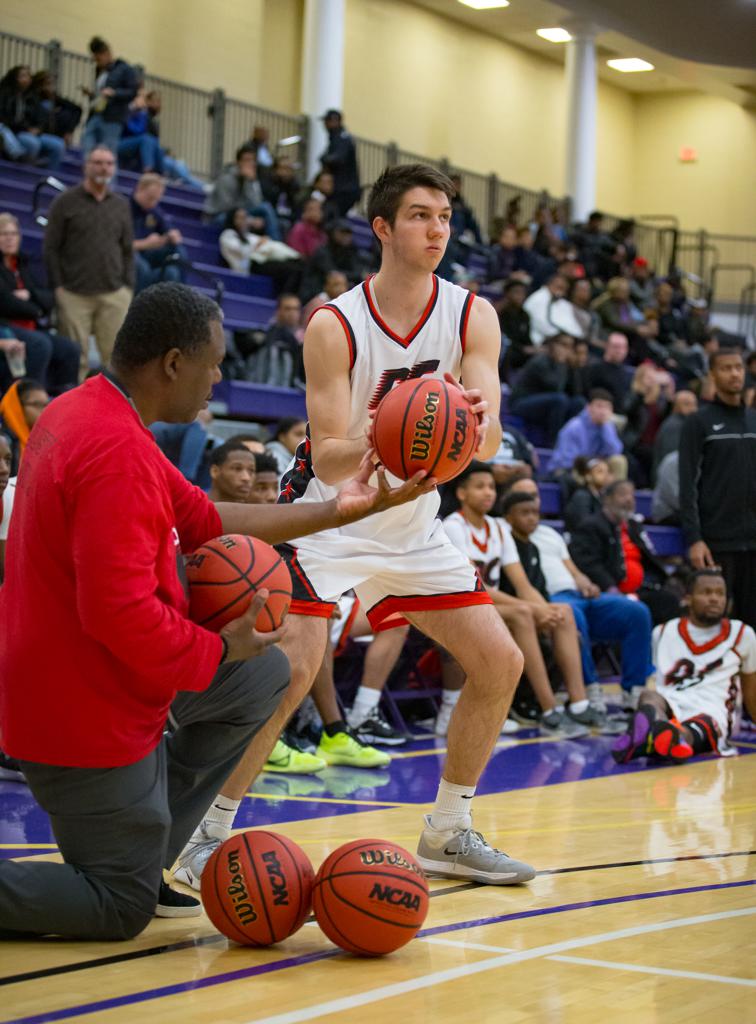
pixel 359 498
pixel 478 406
pixel 243 640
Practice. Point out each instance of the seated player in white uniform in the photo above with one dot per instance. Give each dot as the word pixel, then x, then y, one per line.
pixel 402 324
pixel 704 663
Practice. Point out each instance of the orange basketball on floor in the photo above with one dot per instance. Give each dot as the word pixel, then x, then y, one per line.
pixel 370 897
pixel 424 424
pixel 257 888
pixel 224 576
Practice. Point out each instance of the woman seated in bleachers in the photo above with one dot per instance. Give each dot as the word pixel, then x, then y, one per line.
pixel 250 253
pixel 22 122
pixel 584 485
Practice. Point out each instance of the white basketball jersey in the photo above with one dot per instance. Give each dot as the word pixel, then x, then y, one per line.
pixel 699 669
pixel 488 548
pixel 379 358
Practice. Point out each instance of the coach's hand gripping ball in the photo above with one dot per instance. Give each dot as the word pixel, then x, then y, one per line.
pixel 257 888
pixel 225 574
pixel 370 897
pixel 425 424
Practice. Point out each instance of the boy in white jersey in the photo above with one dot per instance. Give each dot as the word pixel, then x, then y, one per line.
pixel 704 662
pixel 403 323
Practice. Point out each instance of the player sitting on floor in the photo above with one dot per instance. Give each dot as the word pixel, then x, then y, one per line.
pixel 703 663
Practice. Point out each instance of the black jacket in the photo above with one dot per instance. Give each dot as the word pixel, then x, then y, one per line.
pixel 596 549
pixel 581 504
pixel 718 477
pixel 122 78
pixel 20 111
pixel 341 160
pixel 543 375
pixel 11 307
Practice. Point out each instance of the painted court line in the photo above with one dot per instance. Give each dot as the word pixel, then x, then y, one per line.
pixel 452 974
pixel 640 969
pixel 461 944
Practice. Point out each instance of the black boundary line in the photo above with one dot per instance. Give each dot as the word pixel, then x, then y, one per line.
pixel 207 940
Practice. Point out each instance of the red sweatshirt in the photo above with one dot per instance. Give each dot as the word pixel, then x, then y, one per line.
pixel 94 638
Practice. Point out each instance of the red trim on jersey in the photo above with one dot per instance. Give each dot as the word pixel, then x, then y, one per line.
pixel 389 606
pixel 319 609
pixel 347 330
pixel 724 632
pixel 464 319
pixel 424 316
pixel 483 548
pixel 738 637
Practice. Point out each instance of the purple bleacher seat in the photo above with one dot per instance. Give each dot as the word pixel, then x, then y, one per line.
pixel 257 401
pixel 551 499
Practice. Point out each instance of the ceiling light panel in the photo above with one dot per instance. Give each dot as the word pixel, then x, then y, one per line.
pixel 484 5
pixel 554 35
pixel 630 64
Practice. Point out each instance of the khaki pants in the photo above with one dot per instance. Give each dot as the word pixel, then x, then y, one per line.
pixel 80 316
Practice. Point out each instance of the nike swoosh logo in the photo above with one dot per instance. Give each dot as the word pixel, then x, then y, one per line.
pixel 717 426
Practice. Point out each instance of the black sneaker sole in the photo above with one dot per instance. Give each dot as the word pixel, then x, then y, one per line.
pixel 381 741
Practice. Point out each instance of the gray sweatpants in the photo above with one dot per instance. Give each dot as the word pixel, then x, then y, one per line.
pixel 117 828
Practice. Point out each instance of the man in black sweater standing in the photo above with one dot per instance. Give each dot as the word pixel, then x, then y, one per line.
pixel 718 483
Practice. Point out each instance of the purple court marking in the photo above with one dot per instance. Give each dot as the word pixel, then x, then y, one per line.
pixel 308 958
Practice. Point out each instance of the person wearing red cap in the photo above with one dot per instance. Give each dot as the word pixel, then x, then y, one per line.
pixel 641 282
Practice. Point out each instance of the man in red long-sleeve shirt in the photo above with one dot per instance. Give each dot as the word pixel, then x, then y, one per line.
pixel 97 655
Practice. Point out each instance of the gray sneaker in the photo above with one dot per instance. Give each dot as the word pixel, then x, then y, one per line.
pixel 557 723
pixel 194 857
pixel 595 694
pixel 465 854
pixel 592 717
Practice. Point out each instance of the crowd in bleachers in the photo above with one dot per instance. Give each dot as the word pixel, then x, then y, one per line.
pixel 603 359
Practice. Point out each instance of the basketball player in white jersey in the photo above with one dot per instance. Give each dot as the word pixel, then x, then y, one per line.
pixel 704 663
pixel 403 323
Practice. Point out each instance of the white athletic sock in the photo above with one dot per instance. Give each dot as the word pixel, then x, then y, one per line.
pixel 367 698
pixel 452 808
pixel 579 706
pixel 450 697
pixel 219 819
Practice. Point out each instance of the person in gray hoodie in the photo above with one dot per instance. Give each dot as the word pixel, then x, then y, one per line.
pixel 238 185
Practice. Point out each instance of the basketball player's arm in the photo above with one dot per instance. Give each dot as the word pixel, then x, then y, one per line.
pixel 480 374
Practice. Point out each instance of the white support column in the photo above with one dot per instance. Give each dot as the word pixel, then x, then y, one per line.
pixel 322 69
pixel 580 72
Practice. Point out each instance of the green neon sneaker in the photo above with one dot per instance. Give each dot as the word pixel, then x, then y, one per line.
pixel 345 748
pixel 292 761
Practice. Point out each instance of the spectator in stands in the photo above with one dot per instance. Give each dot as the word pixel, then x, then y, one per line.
pixel 464 226
pixel 238 185
pixel 645 407
pixel 7 492
pixel 259 140
pixel 580 295
pixel 279 361
pixel 505 258
pixel 515 458
pixel 749 388
pixel 538 268
pixel 672 325
pixel 186 446
pixel 20 408
pixel 59 116
pixel 139 147
pixel 611 373
pixel 247 252
pixel 22 122
pixel 617 313
pixel 718 483
pixel 116 85
pixel 340 158
pixel 24 301
pixel 289 432
pixel 89 253
pixel 265 486
pixel 550 312
pixel 593 244
pixel 668 436
pixel 339 253
pixel 308 235
pixel 158 249
pixel 280 189
pixel 514 322
pixel 611 548
pixel 252 442
pixel 12 358
pixel 641 283
pixel 232 473
pixel 166 164
pixel 591 476
pixel 336 284
pixel 322 189
pixel 543 393
pixel 590 434
pixel 579 363
pixel 600 618
pixel 665 501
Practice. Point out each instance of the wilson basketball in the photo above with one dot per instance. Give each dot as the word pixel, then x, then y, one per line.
pixel 370 897
pixel 424 424
pixel 257 888
pixel 224 576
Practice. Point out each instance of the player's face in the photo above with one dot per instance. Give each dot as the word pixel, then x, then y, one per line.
pixel 235 478
pixel 264 489
pixel 523 518
pixel 708 601
pixel 421 228
pixel 479 493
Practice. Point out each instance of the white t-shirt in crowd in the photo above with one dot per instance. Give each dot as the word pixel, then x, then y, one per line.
pixel 488 548
pixel 553 551
pixel 8 495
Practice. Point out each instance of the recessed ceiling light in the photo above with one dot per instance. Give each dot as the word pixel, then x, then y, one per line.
pixel 554 35
pixel 630 64
pixel 484 5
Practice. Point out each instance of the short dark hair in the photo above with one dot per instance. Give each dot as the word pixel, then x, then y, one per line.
pixel 714 573
pixel 599 394
pixel 98 45
pixel 614 486
pixel 284 296
pixel 285 424
pixel 224 451
pixel 164 316
pixel 26 385
pixel 730 350
pixel 553 339
pixel 244 150
pixel 7 438
pixel 387 192
pixel 265 463
pixel 241 438
pixel 516 498
pixel 474 467
pixel 595 215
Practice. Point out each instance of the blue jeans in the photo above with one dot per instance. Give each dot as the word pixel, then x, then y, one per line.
pixel 146 147
pixel 183 444
pixel 47 149
pixel 51 359
pixel 612 619
pixel 264 210
pixel 173 168
pixel 101 133
pixel 150 270
pixel 550 411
